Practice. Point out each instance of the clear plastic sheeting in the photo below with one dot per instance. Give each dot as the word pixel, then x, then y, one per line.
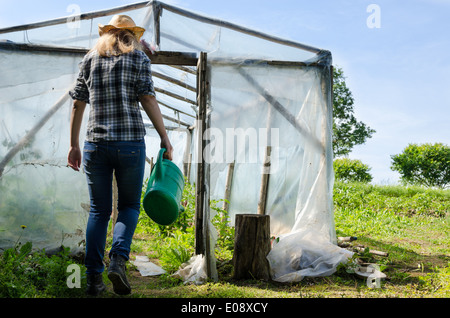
pixel 37 189
pixel 284 107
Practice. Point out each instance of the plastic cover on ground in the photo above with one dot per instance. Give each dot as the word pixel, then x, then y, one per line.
pixel 304 253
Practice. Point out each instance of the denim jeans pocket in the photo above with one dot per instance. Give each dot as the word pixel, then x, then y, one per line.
pixel 89 151
pixel 129 156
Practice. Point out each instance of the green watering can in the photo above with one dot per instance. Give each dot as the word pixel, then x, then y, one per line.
pixel 162 200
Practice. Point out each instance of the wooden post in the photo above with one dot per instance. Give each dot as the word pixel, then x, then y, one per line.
pixel 200 193
pixel 156 24
pixel 189 168
pixel 202 221
pixel 266 166
pixel 228 185
pixel 115 212
pixel 264 183
pixel 251 246
pixel 187 155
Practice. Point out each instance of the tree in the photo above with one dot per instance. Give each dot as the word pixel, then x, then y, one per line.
pixel 351 170
pixel 347 130
pixel 426 164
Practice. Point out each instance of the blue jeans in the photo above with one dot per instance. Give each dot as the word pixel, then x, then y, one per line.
pixel 127 160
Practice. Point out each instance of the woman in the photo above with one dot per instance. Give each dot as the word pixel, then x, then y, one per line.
pixel 114 76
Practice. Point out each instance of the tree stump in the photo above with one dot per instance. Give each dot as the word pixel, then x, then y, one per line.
pixel 251 246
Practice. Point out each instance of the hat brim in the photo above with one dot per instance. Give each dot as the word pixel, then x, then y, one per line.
pixel 138 31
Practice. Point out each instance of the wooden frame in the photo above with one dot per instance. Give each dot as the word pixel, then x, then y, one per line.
pixel 202 217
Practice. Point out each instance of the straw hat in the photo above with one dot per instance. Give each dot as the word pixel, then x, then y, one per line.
pixel 123 22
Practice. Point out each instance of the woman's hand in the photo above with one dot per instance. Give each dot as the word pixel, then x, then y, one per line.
pixel 165 143
pixel 74 158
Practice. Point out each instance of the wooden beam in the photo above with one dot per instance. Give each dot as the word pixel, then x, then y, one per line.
pixel 174 109
pixel 173 58
pixel 8 45
pixel 258 62
pixel 176 121
pixel 174 81
pixel 185 69
pixel 161 57
pixel 173 95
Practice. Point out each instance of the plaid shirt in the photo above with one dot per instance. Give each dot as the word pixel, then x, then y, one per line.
pixel 112 85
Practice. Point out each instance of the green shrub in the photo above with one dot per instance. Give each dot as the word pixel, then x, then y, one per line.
pixel 351 170
pixel 426 164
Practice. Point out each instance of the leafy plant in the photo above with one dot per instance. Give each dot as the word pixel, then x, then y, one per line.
pixel 24 273
pixel 225 232
pixel 349 170
pixel 177 249
pixel 426 164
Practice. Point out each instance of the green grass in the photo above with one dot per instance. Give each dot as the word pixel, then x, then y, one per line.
pixel 411 224
pixel 395 217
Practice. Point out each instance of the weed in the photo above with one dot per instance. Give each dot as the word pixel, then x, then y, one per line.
pixel 24 273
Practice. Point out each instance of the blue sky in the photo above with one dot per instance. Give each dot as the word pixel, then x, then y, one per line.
pixel 398 73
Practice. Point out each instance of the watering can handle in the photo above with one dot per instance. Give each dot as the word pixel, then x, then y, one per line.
pixel 159 164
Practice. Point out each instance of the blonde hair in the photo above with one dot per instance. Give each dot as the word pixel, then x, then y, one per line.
pixel 116 42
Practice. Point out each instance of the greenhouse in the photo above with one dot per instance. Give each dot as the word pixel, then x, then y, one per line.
pixel 249 116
